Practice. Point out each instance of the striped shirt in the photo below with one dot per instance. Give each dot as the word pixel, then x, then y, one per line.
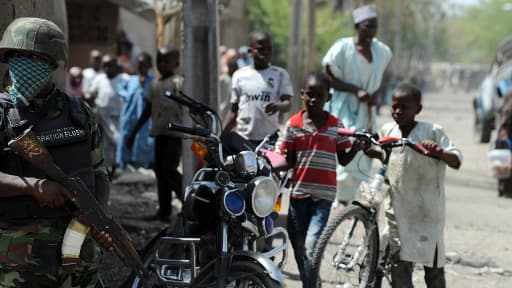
pixel 314 174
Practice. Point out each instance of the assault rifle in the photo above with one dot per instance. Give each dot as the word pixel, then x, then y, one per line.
pixel 28 146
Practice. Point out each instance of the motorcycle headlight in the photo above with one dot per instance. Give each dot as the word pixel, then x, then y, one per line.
pixel 246 164
pixel 234 202
pixel 264 194
pixel 268 225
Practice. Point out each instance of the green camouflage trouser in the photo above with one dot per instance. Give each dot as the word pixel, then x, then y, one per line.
pixel 30 257
pixel 63 279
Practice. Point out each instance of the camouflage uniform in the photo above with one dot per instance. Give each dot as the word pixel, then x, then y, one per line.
pixel 30 248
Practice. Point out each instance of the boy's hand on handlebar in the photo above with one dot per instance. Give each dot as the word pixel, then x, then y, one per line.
pixel 433 147
pixel 359 145
pixel 449 158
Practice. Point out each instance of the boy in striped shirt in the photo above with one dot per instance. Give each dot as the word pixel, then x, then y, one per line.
pixel 311 145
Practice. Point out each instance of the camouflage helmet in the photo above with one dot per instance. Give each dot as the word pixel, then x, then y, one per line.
pixel 36 35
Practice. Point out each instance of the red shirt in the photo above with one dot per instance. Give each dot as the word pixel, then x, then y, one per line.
pixel 314 174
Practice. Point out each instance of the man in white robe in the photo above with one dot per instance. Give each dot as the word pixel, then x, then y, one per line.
pixel 356 66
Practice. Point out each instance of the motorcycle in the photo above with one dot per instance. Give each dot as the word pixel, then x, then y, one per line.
pixel 225 217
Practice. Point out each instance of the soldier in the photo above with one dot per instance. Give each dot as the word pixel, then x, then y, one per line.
pixel 34 210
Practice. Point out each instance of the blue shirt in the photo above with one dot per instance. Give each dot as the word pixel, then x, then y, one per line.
pixel 142 152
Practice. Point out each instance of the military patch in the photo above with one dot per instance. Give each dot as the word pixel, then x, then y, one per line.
pixel 62 136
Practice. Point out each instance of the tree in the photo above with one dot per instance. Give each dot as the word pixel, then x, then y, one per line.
pixel 412 29
pixel 274 16
pixel 475 34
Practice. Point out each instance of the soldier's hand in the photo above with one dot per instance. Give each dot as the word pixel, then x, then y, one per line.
pixel 50 193
pixel 103 239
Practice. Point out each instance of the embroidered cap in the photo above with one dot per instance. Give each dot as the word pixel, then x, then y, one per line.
pixel 364 13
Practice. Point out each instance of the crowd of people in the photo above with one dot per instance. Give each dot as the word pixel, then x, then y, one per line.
pixel 130 112
pixel 328 168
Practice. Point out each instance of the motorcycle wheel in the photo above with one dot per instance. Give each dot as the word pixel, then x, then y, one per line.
pixel 241 274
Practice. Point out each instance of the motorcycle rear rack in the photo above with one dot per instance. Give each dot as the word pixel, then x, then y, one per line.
pixel 177 272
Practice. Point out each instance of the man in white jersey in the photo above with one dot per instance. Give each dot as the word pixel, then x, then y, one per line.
pixel 259 93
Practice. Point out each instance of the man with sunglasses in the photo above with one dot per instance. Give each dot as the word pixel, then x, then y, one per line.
pixel 33 209
pixel 356 66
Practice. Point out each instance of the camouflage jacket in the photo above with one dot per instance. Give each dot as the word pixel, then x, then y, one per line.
pixel 96 147
pixel 35 245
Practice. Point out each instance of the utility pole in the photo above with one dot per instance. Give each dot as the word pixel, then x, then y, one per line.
pixel 294 52
pixel 397 41
pixel 201 68
pixel 311 56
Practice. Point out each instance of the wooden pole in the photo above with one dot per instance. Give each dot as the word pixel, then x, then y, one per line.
pixel 294 52
pixel 311 56
pixel 200 67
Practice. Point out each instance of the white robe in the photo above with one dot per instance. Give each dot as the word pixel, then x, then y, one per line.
pixel 417 194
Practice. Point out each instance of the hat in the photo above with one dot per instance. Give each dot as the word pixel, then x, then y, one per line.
pixel 364 13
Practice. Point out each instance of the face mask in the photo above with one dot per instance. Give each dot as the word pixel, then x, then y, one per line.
pixel 29 77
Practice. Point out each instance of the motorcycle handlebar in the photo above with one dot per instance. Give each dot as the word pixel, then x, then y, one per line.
pixel 197 130
pixel 192 104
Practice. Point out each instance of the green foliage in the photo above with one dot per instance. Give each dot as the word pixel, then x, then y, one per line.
pixel 418 30
pixel 475 34
pixel 275 17
pixel 330 25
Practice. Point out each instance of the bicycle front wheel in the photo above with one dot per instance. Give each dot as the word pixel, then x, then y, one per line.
pixel 346 254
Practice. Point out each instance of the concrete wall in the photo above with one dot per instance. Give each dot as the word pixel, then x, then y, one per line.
pixel 92 24
pixel 233 24
pixel 54 10
pixel 142 31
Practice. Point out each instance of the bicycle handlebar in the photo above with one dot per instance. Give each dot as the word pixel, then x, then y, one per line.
pixel 391 142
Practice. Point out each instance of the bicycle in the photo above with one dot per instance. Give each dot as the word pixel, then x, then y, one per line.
pixel 353 259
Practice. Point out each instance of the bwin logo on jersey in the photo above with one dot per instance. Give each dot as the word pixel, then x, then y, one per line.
pixel 263 96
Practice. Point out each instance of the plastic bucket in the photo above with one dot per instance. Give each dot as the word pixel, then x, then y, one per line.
pixel 500 162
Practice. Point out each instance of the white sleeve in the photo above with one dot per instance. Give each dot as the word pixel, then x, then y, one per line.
pixel 286 85
pixel 444 141
pixel 334 58
pixel 235 89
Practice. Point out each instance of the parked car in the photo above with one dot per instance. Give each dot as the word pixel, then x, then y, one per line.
pixel 484 110
pixel 488 99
